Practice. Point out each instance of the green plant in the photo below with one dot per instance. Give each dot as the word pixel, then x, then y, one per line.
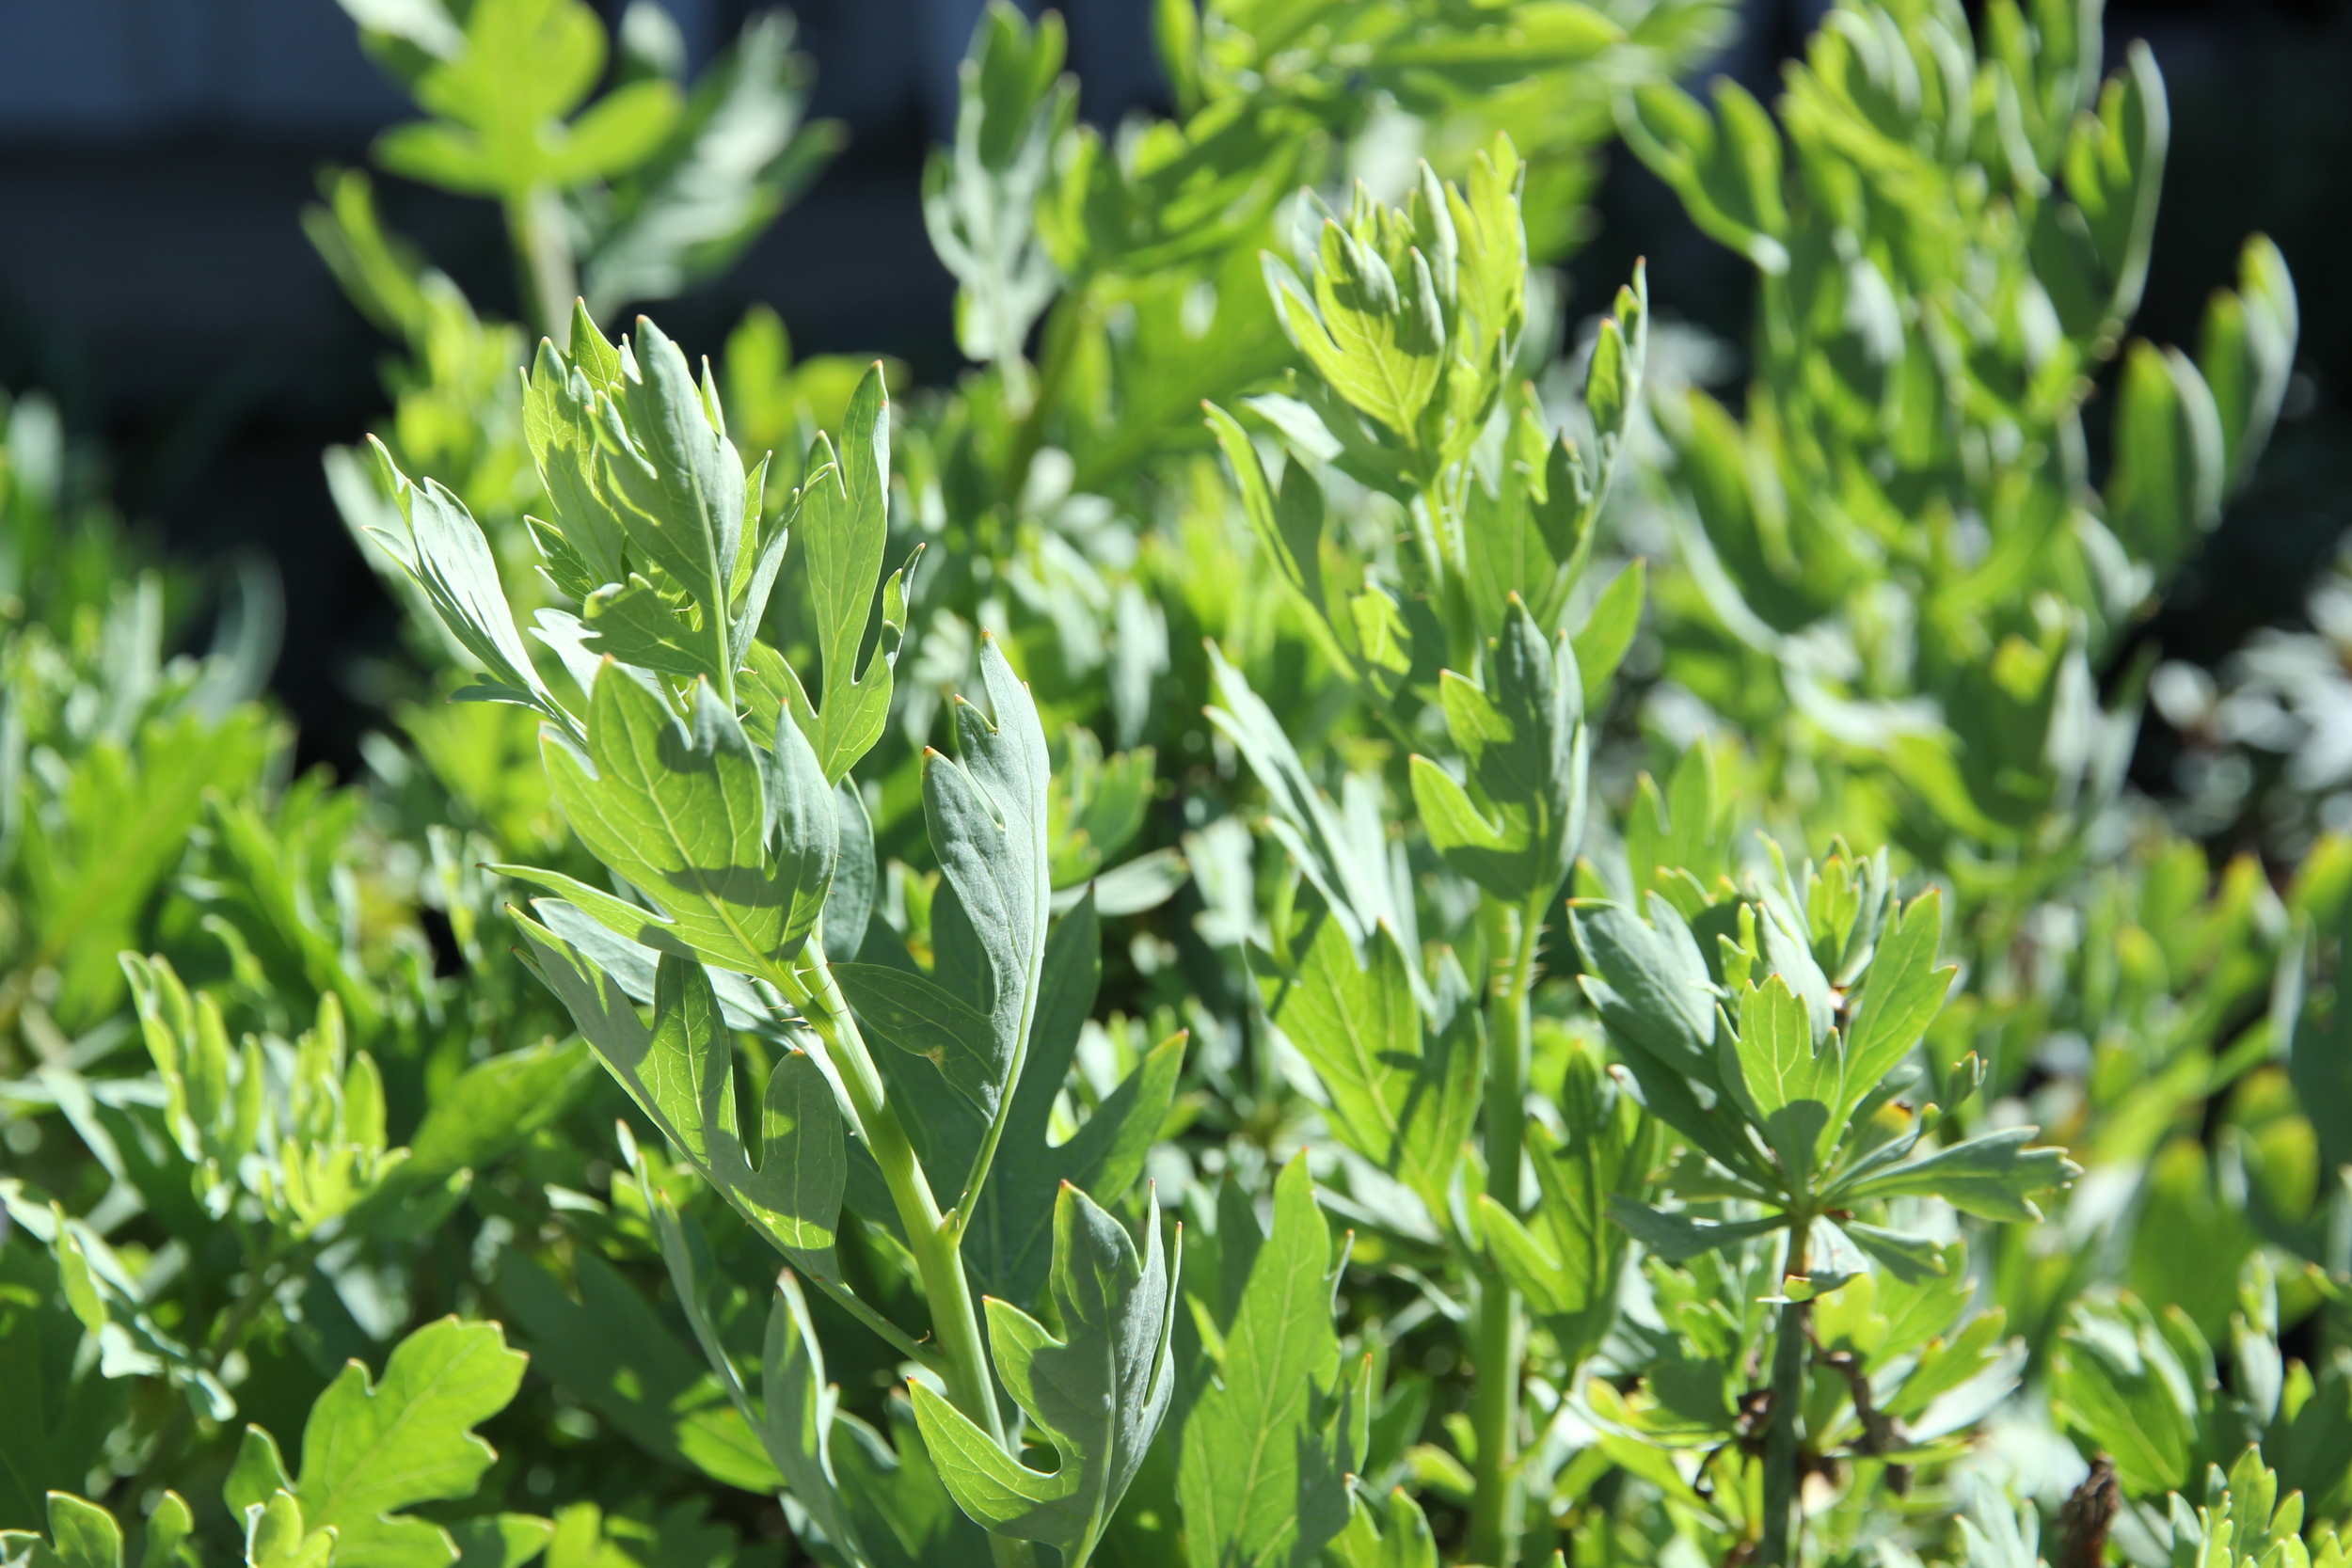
pixel 1687 1158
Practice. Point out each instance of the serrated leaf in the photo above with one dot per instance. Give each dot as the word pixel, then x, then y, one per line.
pixel 1098 1393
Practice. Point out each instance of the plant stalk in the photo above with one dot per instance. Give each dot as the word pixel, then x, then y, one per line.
pixel 1781 1454
pixel 548 281
pixel 1495 1509
pixel 955 1323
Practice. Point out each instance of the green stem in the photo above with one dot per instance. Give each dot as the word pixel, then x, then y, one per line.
pixel 930 1236
pixel 1496 1507
pixel 548 281
pixel 1782 1457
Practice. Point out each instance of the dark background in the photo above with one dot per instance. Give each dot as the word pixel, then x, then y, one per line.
pixel 154 156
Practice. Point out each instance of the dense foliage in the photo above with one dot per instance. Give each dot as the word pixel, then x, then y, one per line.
pixel 1094 965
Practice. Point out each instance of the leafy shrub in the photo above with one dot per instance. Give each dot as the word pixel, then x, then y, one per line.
pixel 1885 1136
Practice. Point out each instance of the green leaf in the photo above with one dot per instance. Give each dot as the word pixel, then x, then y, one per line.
pixel 1526 747
pixel 1098 1392
pixel 1568 1257
pixel 800 1408
pixel 1726 167
pixel 738 154
pixel 1650 983
pixel 632 621
pixel 167 1531
pixel 1407 1543
pixel 258 1473
pixel 980 197
pixel 681 813
pixel 1901 994
pixel 449 558
pixel 794 1195
pixel 1268 1448
pixel 83 1534
pixel 804 830
pixel 2247 353
pixel 500 1540
pixel 675 480
pixel 1008 1240
pixel 987 812
pixel 921 1018
pixel 2116 1379
pixel 1288 528
pixel 856 878
pixel 370 1450
pixel 1401 1097
pixel 1994 1176
pixel 1790 1084
pixel 276 1537
pixel 2165 493
pixel 1675 1237
pixel 589 547
pixel 842 519
pixel 680 1074
pixel 1378 339
pixel 1599 647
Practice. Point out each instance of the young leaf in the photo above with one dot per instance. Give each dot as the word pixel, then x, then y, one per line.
pixel 1098 1393
pixel 676 480
pixel 1268 1448
pixel 1526 748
